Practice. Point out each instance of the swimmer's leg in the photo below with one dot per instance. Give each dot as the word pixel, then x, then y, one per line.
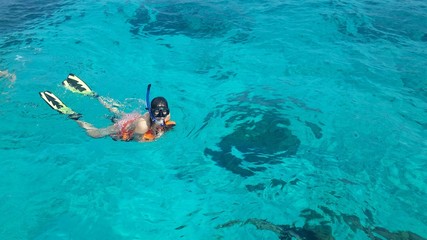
pixel 111 105
pixel 96 132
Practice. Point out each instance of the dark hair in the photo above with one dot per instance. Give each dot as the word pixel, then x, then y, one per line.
pixel 159 102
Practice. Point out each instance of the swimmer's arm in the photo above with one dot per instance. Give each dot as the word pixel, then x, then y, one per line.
pixel 96 132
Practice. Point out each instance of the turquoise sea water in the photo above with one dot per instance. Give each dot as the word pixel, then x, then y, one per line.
pixel 294 119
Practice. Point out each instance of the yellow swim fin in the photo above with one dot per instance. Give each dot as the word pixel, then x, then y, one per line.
pixel 75 84
pixel 55 103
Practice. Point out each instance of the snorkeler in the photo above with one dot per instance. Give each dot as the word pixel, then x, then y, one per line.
pixel 127 126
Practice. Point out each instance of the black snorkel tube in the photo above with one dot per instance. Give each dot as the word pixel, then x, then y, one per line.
pixel 148 107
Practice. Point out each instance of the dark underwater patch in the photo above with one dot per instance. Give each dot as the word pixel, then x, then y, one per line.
pixel 260 143
pixel 377 24
pixel 317 131
pixel 261 186
pixel 140 18
pixel 221 75
pixel 15 15
pixel 415 80
pixel 317 226
pixel 254 188
pixel 278 182
pixel 191 19
pixel 260 138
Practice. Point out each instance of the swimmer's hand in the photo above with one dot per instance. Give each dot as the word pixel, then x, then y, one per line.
pixel 170 124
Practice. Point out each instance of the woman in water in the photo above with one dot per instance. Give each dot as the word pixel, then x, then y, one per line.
pixel 127 126
pixel 134 126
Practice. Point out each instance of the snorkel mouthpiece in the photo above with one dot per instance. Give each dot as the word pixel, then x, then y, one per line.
pixel 161 122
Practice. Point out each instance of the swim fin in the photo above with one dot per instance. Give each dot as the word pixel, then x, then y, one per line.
pixel 55 103
pixel 75 84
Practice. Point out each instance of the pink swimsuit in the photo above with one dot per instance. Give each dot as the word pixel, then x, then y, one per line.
pixel 124 126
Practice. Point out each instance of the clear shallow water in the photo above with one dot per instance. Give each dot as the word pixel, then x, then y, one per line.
pixel 297 113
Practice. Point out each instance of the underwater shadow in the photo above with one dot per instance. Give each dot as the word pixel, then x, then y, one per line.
pixel 261 136
pixel 191 19
pixel 317 226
